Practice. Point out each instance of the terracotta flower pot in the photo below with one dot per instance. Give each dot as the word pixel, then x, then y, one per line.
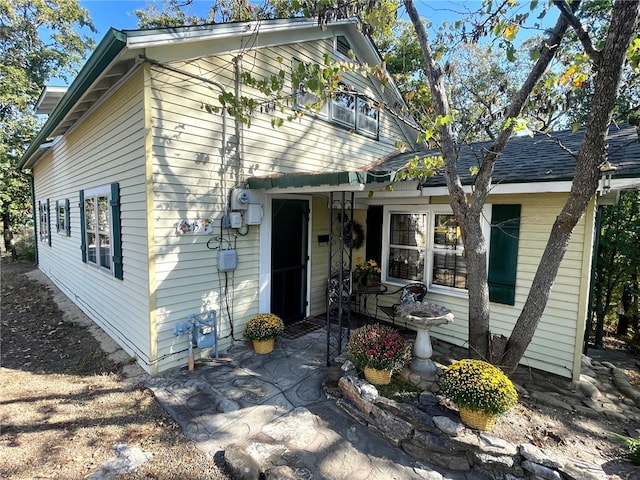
pixel 264 346
pixel 377 377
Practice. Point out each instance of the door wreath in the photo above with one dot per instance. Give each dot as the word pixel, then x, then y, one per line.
pixel 352 231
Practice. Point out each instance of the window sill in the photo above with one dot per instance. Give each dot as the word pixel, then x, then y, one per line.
pixel 448 291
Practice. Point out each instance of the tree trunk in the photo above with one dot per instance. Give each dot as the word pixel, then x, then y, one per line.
pixel 469 215
pixel 476 256
pixel 7 233
pixel 592 154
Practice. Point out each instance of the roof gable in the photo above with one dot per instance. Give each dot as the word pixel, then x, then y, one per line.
pixel 121 52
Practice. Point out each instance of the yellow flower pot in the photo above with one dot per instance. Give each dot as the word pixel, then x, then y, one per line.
pixel 264 346
pixel 377 377
pixel 477 419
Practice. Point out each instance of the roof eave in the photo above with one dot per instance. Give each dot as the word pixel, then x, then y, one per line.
pixel 109 48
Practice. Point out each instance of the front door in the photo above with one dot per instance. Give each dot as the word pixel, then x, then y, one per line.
pixel 289 258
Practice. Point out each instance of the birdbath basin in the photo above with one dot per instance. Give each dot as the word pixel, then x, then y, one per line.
pixel 421 316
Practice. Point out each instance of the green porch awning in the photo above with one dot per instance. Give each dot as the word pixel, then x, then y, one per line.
pixel 317 179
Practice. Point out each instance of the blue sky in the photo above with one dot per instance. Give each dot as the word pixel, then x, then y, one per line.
pixel 119 13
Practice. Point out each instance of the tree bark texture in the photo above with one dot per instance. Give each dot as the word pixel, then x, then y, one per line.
pixel 591 155
pixel 469 215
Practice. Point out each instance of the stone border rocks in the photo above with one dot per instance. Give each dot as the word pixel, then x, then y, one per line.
pixel 432 433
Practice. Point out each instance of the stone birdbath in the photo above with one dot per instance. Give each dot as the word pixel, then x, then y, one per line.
pixel 421 316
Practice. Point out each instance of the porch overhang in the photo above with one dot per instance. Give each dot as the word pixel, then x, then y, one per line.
pixel 347 181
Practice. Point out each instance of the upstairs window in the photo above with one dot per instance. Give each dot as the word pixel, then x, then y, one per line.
pixel 367 120
pixel 348 109
pixel 342 46
pixel 306 100
pixel 343 109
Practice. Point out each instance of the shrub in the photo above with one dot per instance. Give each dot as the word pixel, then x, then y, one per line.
pixel 25 248
pixel 478 385
pixel 633 446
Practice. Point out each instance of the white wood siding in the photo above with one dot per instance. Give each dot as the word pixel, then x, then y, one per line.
pixel 190 182
pixel 555 342
pixel 107 147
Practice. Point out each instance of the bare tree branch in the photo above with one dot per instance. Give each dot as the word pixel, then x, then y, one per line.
pixel 583 36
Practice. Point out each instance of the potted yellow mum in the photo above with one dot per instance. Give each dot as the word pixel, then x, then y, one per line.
pixel 262 329
pixel 481 391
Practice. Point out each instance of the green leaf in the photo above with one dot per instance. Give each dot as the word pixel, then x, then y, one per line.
pixel 511 52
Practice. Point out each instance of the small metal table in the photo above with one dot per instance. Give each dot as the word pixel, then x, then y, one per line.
pixel 362 293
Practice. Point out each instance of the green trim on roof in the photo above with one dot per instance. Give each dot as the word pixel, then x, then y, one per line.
pixel 108 49
pixel 318 179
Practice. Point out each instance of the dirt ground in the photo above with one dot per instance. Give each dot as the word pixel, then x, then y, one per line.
pixel 63 406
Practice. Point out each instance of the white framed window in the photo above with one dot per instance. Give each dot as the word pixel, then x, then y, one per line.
pixel 342 47
pixel 367 119
pixel 97 227
pixel 62 217
pixel 101 229
pixel 343 109
pixel 446 252
pixel 425 245
pixel 346 108
pixel 45 226
pixel 404 260
pixel 306 100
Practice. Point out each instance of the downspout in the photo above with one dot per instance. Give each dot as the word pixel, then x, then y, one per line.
pixel 32 187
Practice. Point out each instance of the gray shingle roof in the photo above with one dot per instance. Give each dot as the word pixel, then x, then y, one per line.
pixel 538 159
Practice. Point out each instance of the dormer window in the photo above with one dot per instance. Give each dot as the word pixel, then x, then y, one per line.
pixel 342 46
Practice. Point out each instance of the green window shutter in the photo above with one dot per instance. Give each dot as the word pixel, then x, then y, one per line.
pixel 503 253
pixel 57 216
pixel 67 218
pixel 83 229
pixel 49 221
pixel 117 235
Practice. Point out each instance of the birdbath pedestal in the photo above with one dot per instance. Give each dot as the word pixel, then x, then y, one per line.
pixel 421 316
